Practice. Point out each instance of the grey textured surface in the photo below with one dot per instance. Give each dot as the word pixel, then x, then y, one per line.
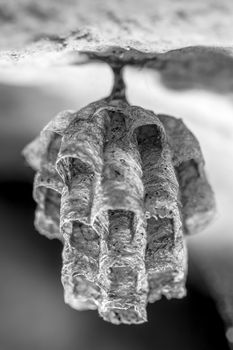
pixel 151 25
pixel 189 42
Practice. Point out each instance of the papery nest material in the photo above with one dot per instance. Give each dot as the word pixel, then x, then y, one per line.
pixel 120 186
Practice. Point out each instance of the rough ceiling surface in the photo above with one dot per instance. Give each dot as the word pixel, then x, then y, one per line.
pixel 32 30
pixel 189 43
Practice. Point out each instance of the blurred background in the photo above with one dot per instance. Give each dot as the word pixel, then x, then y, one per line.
pixel 33 314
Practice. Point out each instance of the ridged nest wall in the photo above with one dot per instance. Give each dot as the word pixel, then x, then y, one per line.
pixel 120 186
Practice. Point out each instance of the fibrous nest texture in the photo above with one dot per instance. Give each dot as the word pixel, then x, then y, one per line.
pixel 119 186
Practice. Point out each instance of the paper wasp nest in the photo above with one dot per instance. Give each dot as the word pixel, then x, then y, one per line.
pixel 119 186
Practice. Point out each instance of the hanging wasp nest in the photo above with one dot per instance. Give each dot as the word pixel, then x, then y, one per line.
pixel 120 186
